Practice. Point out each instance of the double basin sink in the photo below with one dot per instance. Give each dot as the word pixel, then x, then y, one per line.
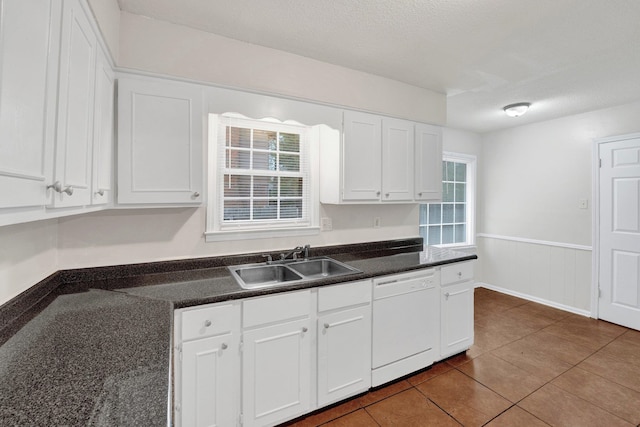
pixel 252 276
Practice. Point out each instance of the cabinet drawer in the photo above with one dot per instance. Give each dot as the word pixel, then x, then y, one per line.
pixel 457 272
pixel 344 295
pixel 276 308
pixel 207 321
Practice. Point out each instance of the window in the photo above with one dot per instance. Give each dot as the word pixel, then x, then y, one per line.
pixel 452 222
pixel 261 181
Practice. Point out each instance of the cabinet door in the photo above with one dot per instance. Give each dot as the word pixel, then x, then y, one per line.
pixel 103 131
pixel 160 153
pixel 428 162
pixel 276 373
pixel 456 320
pixel 361 157
pixel 29 40
pixel 74 140
pixel 397 160
pixel 209 373
pixel 344 354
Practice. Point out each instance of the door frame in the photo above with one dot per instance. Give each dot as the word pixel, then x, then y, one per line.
pixel 595 215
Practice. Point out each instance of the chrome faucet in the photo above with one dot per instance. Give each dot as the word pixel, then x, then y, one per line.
pixel 293 253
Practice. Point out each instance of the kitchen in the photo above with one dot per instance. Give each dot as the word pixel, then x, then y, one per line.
pixel 32 251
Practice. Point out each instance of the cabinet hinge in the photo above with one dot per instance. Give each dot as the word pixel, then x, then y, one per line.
pixel 600 163
pixel 599 293
pixel 177 407
pixel 240 419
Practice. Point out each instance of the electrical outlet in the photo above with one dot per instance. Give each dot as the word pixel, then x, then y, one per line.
pixel 376 222
pixel 326 224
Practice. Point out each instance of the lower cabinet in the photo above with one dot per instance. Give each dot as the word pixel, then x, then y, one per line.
pixel 344 341
pixel 207 365
pixel 266 360
pixel 456 308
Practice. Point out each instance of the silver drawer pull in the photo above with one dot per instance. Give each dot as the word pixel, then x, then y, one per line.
pixel 459 273
pixel 304 329
pixel 224 346
pixel 207 323
pixel 326 326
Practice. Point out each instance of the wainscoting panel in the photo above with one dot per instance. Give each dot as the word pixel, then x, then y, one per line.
pixel 551 273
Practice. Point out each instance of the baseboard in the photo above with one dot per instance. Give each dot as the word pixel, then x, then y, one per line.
pixel 542 301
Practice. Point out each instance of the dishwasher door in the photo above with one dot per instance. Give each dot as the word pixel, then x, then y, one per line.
pixel 404 312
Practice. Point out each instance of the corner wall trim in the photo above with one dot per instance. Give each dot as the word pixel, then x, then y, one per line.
pixel 542 301
pixel 536 242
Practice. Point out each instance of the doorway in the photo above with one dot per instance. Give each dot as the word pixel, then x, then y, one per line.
pixel 617 230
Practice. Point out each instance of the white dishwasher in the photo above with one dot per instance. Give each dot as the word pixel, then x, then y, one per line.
pixel 406 314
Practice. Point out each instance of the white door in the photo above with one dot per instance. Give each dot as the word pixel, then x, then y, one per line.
pixel 208 382
pixel 361 161
pixel 29 39
pixel 397 160
pixel 276 373
pixel 619 250
pixel 344 354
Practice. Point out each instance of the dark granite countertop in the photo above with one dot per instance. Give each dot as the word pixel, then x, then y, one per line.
pixel 93 346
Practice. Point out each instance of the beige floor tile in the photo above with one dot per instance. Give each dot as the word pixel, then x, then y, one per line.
pixel 557 347
pixel 590 333
pixel 612 397
pixel 359 418
pixel 618 371
pixel 383 393
pixel 327 415
pixel 465 399
pixel 535 360
pixel 560 408
pixel 409 408
pixel 435 370
pixel 507 380
pixel 516 417
pixel 624 350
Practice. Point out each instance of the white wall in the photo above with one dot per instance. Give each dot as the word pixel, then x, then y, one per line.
pixel 27 255
pixel 165 48
pixel 535 240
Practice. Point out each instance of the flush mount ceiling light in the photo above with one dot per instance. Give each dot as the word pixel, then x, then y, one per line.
pixel 516 110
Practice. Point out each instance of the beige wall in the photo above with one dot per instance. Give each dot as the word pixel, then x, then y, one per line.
pixel 537 241
pixel 174 50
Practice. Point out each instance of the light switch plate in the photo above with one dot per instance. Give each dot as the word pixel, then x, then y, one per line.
pixel 326 224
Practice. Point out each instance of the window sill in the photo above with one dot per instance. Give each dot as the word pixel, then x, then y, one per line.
pixel 223 236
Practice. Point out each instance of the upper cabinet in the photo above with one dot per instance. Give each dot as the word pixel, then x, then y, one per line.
pixel 74 141
pixel 160 142
pixel 428 162
pixel 382 160
pixel 29 42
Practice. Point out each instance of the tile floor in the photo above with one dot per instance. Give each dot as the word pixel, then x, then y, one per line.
pixel 531 365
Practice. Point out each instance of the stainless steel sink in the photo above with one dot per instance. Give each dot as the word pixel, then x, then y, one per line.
pixel 252 276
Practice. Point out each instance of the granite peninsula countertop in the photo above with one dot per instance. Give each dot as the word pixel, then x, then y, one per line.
pixel 94 348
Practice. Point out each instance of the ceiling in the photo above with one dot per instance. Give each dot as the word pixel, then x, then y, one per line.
pixel 563 56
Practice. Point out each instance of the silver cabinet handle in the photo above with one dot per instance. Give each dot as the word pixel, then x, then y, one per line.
pixel 420 194
pixel 447 295
pixel 326 326
pixel 224 346
pixel 57 187
pixel 100 192
pixel 207 323
pixel 304 329
pixel 196 194
pixel 377 193
pixel 459 273
pixel 386 195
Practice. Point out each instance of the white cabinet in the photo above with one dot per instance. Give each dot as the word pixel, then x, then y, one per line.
pixel 397 160
pixel 381 160
pixel 103 126
pixel 456 305
pixel 160 142
pixel 276 358
pixel 74 140
pixel 207 366
pixel 344 341
pixel 29 43
pixel 361 156
pixel 428 163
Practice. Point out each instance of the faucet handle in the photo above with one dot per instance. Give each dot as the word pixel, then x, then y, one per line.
pixel 306 249
pixel 268 257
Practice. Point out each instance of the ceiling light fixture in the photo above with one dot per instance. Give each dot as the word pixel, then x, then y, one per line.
pixel 516 110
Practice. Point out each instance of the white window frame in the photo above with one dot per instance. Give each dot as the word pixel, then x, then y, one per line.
pixel 216 229
pixel 471 161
